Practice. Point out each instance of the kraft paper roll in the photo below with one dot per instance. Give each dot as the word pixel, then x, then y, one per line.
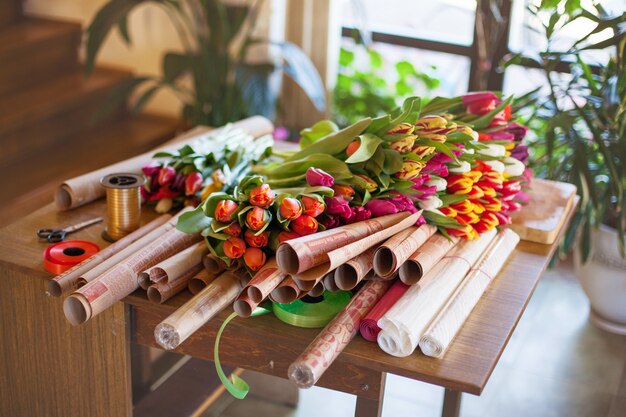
pixel 86 188
pixel 405 323
pixel 174 266
pixel 66 281
pixel 166 289
pixel 426 257
pixel 394 252
pixel 286 292
pixel 348 275
pixel 264 281
pixel 201 280
pixel 312 312
pixel 439 335
pixel 214 263
pixel 309 367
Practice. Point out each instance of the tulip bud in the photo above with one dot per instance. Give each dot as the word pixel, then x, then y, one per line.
pixel 459 184
pixel 262 196
pixel 151 168
pixel 317 177
pixel 257 218
pixel 365 182
pixel 503 218
pixel 464 232
pixel 448 212
pixel 487 222
pixel 166 175
pixel 423 151
pixel 290 208
pixel 164 205
pixel 304 225
pixel 476 193
pixel 343 190
pixel 312 206
pixel 431 123
pixel 410 169
pixel 353 147
pixel 463 207
pixel 224 211
pixel 233 230
pixel 401 129
pixel 468 218
pixel 254 258
pixel 492 204
pixel 403 145
pixel 285 236
pixel 257 241
pixel 234 247
pixel 193 183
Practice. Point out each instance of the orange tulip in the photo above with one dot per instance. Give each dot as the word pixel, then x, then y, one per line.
pixel 233 230
pixel 353 147
pixel 476 193
pixel 343 190
pixel 478 207
pixel 254 258
pixel 257 218
pixel 304 225
pixel 234 247
pixel 224 211
pixel 465 232
pixel 257 241
pixel 313 207
pixel 290 208
pixel 262 196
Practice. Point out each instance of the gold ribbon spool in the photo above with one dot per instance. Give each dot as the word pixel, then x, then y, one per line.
pixel 123 204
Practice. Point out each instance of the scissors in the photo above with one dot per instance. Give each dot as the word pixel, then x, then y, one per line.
pixel 57 235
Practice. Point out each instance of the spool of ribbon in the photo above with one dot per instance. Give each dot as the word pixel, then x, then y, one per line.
pixel 61 256
pixel 312 312
pixel 123 204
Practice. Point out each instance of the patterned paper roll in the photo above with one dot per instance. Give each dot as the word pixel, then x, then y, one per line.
pixel 329 282
pixel 405 323
pixel 348 275
pixel 86 188
pixel 425 258
pixel 317 290
pixel 66 281
pixel 121 280
pixel 166 289
pixel 444 328
pixel 298 255
pixel 308 368
pixel 264 281
pixel 214 263
pixel 286 292
pixel 394 252
pixel 369 325
pixel 174 266
pixel 196 312
pixel 244 305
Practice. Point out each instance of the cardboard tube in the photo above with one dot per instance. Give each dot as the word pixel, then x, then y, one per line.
pixel 425 258
pixel 308 368
pixel 121 280
pixel 178 264
pixel 201 280
pixel 264 281
pixel 301 254
pixel 329 282
pixel 244 305
pixel 394 252
pixel 348 275
pixel 84 189
pixel 164 290
pixel 66 281
pixel 213 263
pixel 286 292
pixel 317 290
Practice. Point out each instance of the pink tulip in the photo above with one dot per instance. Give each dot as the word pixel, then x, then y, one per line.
pixel 381 207
pixel 337 205
pixel 316 177
pixel 193 183
pixel 166 175
pixel 151 168
pixel 480 102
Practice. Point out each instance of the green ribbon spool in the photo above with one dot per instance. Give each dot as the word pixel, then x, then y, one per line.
pixel 301 313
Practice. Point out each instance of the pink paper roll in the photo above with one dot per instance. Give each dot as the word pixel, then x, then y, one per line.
pixel 369 325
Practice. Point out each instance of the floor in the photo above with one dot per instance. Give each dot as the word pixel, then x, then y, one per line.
pixel 557 364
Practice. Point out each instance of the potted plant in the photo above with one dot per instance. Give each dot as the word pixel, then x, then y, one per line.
pixel 211 76
pixel 580 126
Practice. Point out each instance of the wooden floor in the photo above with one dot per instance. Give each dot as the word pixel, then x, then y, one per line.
pixel 557 364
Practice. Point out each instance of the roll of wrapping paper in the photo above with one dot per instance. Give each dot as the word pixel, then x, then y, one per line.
pixel 312 312
pixel 286 292
pixel 343 254
pixel 445 327
pixel 196 312
pixel 404 324
pixel 301 254
pixel 329 282
pixel 317 290
pixel 308 368
pixel 394 252
pixel 121 280
pixel 174 266
pixel 134 247
pixel 426 257
pixel 62 256
pixel 214 263
pixel 348 275
pixel 81 190
pixel 369 325
pixel 201 280
pixel 264 281
pixel 166 289
pixel 123 204
pixel 67 280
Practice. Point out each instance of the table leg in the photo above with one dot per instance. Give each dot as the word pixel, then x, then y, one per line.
pixel 366 407
pixel 451 403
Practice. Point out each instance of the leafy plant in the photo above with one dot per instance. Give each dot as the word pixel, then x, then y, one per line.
pixel 581 123
pixel 364 89
pixel 216 37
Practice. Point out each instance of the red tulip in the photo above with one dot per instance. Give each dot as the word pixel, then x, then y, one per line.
pixel 257 218
pixel 257 241
pixel 304 225
pixel 166 175
pixel 480 102
pixel 234 247
pixel 312 206
pixel 193 183
pixel 233 230
pixel 290 208
pixel 224 211
pixel 262 196
pixel 255 258
pixel 448 212
pixel 285 236
pixel 487 222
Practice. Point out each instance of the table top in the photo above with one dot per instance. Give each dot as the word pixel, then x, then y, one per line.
pixel 466 366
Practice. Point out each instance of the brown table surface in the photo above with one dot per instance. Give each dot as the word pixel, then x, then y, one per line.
pixel 266 344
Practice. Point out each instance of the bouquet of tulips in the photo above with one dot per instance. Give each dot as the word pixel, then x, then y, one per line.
pixel 457 159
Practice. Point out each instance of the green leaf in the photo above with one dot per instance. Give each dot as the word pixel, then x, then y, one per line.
pixel 333 166
pixel 175 65
pixel 440 220
pixel 449 199
pixel 393 161
pixel 319 130
pixel 410 113
pixel 369 145
pixel 346 57
pixel 193 221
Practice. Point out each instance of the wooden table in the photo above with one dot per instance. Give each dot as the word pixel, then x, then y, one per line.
pixel 51 368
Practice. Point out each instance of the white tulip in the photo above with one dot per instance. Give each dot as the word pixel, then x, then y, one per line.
pixel 460 169
pixel 430 203
pixel 496 166
pixel 513 167
pixel 493 150
pixel 440 183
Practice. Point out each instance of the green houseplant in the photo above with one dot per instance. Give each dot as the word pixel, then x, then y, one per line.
pixel 211 76
pixel 581 138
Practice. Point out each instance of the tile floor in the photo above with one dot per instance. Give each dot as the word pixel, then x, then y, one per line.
pixel 557 364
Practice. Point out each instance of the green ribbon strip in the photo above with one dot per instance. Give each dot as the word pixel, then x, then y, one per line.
pixel 236 386
pixel 312 315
